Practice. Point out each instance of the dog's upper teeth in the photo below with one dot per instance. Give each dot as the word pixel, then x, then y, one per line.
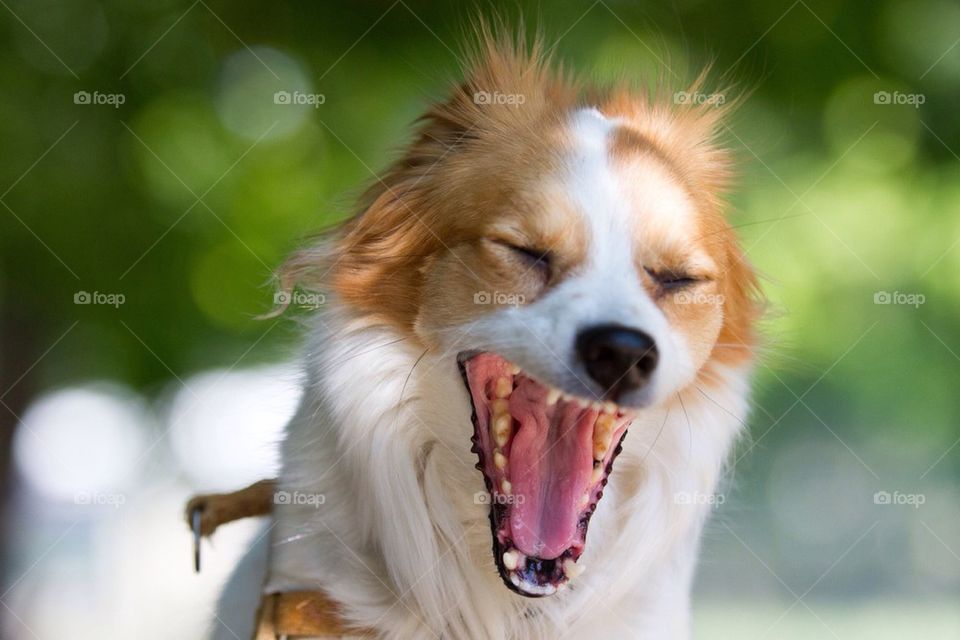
pixel 571 568
pixel 505 487
pixel 502 424
pixel 499 460
pixel 500 406
pixel 610 407
pixel 552 396
pixel 511 559
pixel 503 387
pixel 602 435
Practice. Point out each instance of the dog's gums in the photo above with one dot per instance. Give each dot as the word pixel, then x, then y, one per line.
pixel 545 458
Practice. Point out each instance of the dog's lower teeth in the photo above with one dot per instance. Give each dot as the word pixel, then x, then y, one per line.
pixel 597 474
pixel 503 388
pixel 506 488
pixel 500 406
pixel 511 559
pixel 571 568
pixel 499 460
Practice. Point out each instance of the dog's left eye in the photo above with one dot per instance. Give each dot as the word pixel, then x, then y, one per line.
pixel 671 280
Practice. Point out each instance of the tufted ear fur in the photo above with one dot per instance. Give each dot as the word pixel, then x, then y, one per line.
pixel 375 262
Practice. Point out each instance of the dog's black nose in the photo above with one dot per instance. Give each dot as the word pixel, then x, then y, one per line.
pixel 620 359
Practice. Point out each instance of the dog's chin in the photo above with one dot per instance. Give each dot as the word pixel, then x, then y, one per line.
pixel 545 458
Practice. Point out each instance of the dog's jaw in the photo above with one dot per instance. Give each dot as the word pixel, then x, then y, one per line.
pixel 400 515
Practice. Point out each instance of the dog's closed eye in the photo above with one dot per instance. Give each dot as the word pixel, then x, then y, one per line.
pixel 540 258
pixel 671 280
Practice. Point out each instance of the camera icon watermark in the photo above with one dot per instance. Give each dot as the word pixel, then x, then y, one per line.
pixel 299 98
pixel 98 499
pixel 96 98
pixel 495 97
pixel 99 298
pixel 899 298
pixel 485 497
pixel 697 297
pixel 915 500
pixel 299 498
pixel 698 498
pixel 303 299
pixel 499 298
pixel 697 98
pixel 897 98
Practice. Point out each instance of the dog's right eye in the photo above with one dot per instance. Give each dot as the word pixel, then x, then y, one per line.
pixel 531 255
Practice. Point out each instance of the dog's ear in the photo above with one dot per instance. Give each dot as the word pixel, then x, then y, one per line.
pixel 381 254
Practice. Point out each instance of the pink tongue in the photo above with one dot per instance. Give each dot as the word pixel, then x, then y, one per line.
pixel 551 461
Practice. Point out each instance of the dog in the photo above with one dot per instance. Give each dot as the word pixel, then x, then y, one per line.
pixel 539 325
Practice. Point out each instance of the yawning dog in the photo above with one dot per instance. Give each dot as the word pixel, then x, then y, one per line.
pixel 532 362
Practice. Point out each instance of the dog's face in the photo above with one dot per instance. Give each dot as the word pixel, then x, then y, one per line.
pixel 572 259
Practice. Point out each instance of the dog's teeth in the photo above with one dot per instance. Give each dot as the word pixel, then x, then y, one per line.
pixel 597 406
pixel 499 460
pixel 503 388
pixel 514 369
pixel 500 406
pixel 584 499
pixel 571 568
pixel 602 435
pixel 610 407
pixel 505 487
pixel 501 429
pixel 552 396
pixel 597 474
pixel 511 559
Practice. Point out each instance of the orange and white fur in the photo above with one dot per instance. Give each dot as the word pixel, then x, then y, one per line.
pixel 512 226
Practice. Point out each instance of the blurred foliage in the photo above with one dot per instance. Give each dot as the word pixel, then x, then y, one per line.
pixel 185 197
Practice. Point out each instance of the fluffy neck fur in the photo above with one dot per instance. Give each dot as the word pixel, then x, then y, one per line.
pixel 383 432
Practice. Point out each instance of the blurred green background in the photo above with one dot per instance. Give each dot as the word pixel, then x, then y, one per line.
pixel 150 182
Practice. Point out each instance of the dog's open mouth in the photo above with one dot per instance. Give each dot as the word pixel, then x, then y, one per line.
pixel 545 458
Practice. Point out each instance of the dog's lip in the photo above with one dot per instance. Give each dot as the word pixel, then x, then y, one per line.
pixel 468 354
pixel 551 556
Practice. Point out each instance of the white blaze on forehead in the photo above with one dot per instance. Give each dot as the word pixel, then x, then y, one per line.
pixel 596 190
pixel 609 279
pixel 629 198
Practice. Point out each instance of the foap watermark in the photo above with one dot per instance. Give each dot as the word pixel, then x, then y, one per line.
pixel 99 499
pixel 100 298
pixel 499 298
pixel 97 98
pixel 697 297
pixel 299 498
pixel 697 98
pixel 303 299
pixel 299 98
pixel 485 497
pixel 896 97
pixel 900 298
pixel 915 500
pixel 495 97
pixel 698 498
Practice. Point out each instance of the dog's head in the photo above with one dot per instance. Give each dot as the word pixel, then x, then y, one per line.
pixel 566 247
